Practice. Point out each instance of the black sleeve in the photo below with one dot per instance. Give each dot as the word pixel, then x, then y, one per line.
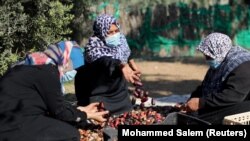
pixel 97 78
pixel 196 92
pixel 236 89
pixel 130 57
pixel 108 64
pixel 49 87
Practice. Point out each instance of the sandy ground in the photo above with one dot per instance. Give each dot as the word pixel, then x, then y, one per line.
pixel 167 77
pixel 163 77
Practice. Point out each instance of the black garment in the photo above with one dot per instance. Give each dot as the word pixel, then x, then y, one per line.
pixel 217 115
pixel 103 81
pixel 32 106
pixel 232 98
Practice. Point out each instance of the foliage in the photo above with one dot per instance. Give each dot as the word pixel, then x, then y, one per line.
pixel 12 23
pixel 30 25
pixel 50 24
pixel 81 24
pixel 12 26
pixel 6 58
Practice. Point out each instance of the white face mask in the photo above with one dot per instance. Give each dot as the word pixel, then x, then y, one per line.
pixel 68 76
pixel 113 40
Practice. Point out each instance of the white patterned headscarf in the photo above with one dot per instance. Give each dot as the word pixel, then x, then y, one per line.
pixel 97 48
pixel 219 47
pixel 216 46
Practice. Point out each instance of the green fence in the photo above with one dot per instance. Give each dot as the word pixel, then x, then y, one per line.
pixel 178 26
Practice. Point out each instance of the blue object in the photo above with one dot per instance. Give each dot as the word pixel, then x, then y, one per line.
pixel 77 57
pixel 114 40
pixel 213 63
pixel 68 76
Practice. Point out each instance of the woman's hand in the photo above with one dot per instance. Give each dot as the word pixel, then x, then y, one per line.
pixel 193 104
pixel 129 74
pixel 134 67
pixel 89 108
pixel 93 113
pixel 181 107
pixel 98 116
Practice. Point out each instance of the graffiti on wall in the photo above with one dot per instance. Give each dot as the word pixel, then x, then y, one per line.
pixel 179 25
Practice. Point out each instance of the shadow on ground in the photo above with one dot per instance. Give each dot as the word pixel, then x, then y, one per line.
pixel 160 88
pixel 165 87
pixel 198 60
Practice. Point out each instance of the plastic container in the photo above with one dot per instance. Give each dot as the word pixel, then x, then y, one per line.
pixel 237 119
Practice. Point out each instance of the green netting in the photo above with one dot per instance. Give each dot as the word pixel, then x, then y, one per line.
pixel 243 38
pixel 191 23
pixel 115 5
pixel 248 17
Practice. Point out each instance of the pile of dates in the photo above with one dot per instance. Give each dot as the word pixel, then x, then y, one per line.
pixel 140 116
pixel 91 134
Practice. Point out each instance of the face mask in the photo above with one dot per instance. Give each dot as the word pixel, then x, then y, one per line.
pixel 68 76
pixel 114 40
pixel 213 64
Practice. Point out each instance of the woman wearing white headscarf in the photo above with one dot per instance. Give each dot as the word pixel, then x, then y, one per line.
pixel 226 87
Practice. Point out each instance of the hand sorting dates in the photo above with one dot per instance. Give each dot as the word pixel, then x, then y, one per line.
pixel 140 115
pixel 140 93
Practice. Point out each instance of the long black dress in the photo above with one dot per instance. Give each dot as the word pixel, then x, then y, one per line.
pixel 103 81
pixel 234 97
pixel 32 107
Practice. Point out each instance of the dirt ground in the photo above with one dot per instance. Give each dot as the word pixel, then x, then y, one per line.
pixel 162 77
pixel 172 76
